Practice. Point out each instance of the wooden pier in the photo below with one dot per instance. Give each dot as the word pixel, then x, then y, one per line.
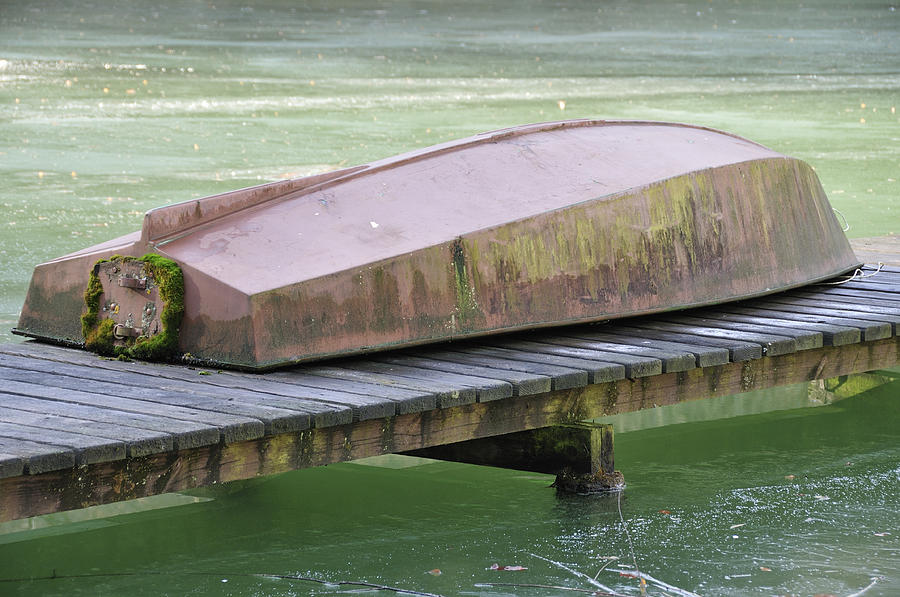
pixel 77 430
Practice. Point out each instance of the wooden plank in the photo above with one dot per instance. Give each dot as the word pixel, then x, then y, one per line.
pixel 886 275
pixel 560 377
pixel 849 293
pixel 327 406
pixel 523 384
pixel 217 384
pixel 870 330
pixel 707 351
pixel 878 283
pixel 271 418
pixel 867 285
pixel 177 393
pixel 427 401
pixel 404 400
pixel 885 249
pixel 508 388
pixel 597 371
pixel 805 339
pixel 815 308
pixel 231 428
pixel 485 388
pixel 832 335
pixel 146 382
pixel 37 458
pixel 704 356
pixel 88 449
pixel 11 465
pixel 304 393
pixel 738 350
pixel 870 289
pixel 890 301
pixel 671 361
pixel 362 407
pixel 892 311
pixel 885 267
pixel 635 366
pixel 307 392
pixel 184 434
pixel 861 285
pixel 54 491
pixel 32 349
pixel 138 442
pixel 449 390
pixel 772 344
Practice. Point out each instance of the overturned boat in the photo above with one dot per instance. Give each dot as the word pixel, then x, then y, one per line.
pixel 532 226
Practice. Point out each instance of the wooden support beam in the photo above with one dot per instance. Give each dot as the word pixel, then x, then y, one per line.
pixel 104 482
pixel 584 447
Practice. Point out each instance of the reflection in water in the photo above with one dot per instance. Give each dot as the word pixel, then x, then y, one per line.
pixel 790 502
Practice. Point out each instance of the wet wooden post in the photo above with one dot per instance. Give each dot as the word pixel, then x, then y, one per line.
pixel 606 462
pixel 580 454
pixel 601 476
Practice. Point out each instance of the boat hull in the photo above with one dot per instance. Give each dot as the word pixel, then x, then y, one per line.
pixel 603 240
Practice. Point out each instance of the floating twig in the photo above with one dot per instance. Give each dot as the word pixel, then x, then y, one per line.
pixel 555 588
pixel 581 575
pixel 645 578
pixel 351 583
pixel 609 561
pixel 874 582
pixel 657 582
pixel 630 544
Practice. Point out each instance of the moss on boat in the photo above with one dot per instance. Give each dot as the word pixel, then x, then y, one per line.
pixel 99 332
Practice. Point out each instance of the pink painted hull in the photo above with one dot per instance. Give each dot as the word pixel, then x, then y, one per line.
pixel 532 226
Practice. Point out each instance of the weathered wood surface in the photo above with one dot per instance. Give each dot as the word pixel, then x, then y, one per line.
pixel 885 249
pixel 77 430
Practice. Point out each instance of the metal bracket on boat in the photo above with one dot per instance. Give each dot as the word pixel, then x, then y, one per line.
pixel 130 298
pixel 121 332
pixel 134 307
pixel 129 282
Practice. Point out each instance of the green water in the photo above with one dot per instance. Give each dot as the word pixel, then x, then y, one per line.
pixel 110 109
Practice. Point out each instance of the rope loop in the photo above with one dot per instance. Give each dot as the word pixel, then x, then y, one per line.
pixel 857 275
pixel 846 225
